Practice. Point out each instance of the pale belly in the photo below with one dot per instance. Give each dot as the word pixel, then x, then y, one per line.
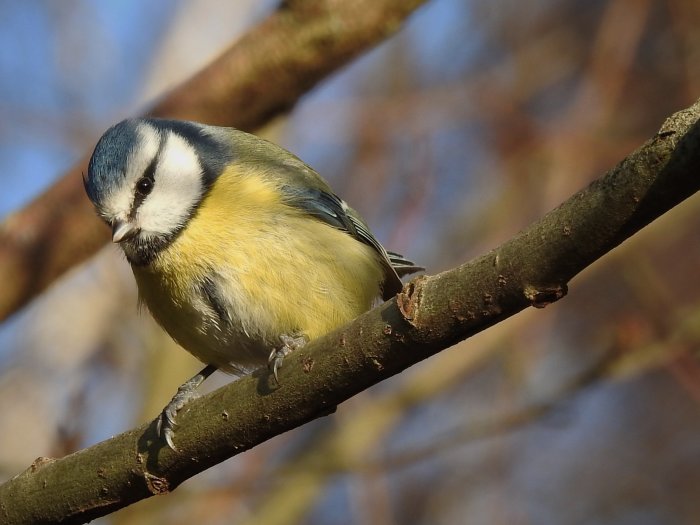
pixel 196 326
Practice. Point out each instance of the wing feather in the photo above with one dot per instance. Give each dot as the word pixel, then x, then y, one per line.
pixel 306 190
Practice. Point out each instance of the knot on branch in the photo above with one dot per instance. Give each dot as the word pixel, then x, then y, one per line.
pixel 39 462
pixel 408 300
pixel 156 485
pixel 539 297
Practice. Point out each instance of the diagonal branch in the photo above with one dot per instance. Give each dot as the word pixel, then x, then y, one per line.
pixel 262 75
pixel 432 313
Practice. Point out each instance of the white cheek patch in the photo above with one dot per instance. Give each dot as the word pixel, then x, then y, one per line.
pixel 178 188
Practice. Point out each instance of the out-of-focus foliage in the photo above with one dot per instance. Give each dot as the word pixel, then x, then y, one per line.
pixel 476 119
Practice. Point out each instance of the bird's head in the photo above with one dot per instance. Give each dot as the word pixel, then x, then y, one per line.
pixel 146 178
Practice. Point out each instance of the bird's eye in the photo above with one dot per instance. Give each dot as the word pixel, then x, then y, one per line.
pixel 144 186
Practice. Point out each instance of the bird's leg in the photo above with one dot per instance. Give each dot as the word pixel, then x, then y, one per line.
pixel 165 427
pixel 289 344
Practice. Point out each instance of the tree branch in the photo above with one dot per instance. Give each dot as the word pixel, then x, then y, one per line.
pixel 261 75
pixel 432 313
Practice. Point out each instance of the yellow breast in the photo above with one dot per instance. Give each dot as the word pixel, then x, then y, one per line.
pixel 275 270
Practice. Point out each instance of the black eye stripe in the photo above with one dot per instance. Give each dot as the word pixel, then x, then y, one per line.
pixel 144 186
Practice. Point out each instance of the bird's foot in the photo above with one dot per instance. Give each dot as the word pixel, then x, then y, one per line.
pixel 165 426
pixel 289 344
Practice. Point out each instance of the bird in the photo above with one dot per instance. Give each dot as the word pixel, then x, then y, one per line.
pixel 241 252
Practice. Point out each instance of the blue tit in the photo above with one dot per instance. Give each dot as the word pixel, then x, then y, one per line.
pixel 240 251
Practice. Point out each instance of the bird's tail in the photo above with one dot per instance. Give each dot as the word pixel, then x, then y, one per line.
pixel 403 266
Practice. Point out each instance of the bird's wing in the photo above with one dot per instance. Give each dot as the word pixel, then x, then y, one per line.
pixel 306 190
pixel 332 210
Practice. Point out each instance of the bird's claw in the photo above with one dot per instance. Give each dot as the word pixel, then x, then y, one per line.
pixel 289 344
pixel 165 426
pixel 274 362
